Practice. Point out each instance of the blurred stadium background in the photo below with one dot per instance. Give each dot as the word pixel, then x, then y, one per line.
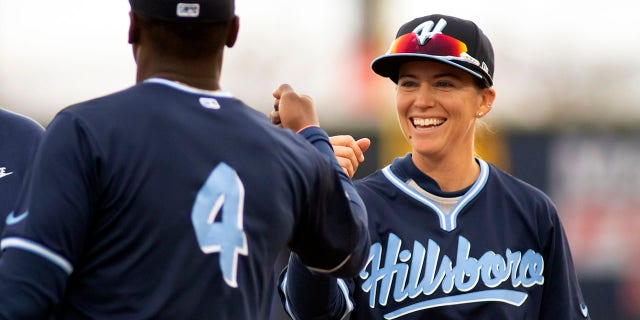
pixel 566 118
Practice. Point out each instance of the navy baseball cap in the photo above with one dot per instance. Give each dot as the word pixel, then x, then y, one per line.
pixel 186 10
pixel 447 39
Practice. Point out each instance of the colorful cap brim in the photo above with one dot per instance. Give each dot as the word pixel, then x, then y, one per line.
pixel 388 65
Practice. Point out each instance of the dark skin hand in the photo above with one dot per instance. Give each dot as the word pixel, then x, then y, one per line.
pixel 295 111
pixel 292 110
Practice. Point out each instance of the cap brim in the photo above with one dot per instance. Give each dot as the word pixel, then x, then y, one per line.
pixel 388 65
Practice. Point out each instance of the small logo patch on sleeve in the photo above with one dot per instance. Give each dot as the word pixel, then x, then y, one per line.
pixel 209 103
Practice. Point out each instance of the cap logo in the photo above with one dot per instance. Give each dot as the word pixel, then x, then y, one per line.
pixel 188 10
pixel 426 30
pixel 484 67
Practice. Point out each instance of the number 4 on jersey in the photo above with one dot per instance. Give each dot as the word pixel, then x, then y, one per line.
pixel 223 191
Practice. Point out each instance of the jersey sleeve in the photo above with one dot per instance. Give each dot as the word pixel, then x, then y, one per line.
pixel 336 239
pixel 29 286
pixel 562 296
pixel 308 295
pixel 54 211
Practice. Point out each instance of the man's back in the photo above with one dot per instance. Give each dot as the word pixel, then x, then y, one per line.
pixel 170 201
pixel 174 203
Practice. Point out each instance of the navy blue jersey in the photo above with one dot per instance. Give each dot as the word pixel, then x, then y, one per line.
pixel 19 137
pixel 166 202
pixel 498 252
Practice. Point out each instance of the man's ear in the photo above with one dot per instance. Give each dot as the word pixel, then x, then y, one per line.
pixel 134 28
pixel 232 34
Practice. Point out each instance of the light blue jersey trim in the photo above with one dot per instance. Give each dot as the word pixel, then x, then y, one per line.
pixel 507 296
pixel 341 284
pixel 35 248
pixel 447 222
pixel 283 287
pixel 186 88
pixel 345 293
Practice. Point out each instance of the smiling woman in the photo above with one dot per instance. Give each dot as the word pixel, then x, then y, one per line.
pixel 453 236
pixel 449 100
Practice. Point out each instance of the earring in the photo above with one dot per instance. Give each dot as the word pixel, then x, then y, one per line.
pixel 480 114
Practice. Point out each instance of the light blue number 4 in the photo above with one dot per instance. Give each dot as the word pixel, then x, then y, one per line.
pixel 223 191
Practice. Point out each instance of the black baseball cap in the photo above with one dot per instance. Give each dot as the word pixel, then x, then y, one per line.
pixel 454 41
pixel 186 10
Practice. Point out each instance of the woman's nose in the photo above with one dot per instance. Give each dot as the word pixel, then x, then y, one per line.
pixel 424 97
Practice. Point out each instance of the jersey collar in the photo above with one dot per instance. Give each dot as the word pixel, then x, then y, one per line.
pixel 448 222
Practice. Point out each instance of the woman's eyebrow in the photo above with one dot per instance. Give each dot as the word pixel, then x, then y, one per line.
pixel 447 74
pixel 407 75
pixel 435 76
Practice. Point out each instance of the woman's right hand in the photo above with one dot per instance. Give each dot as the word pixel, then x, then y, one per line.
pixel 349 152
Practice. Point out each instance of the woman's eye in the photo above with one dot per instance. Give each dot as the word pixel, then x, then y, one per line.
pixel 407 83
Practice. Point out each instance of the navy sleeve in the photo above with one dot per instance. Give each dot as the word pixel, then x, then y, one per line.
pixel 308 295
pixel 40 285
pixel 562 296
pixel 350 235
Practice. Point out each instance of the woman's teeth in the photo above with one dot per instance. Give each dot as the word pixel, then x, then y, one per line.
pixel 427 123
